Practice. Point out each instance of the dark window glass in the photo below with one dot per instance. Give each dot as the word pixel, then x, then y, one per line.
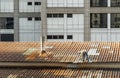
pixel 49 15
pixel 37 18
pixel 55 37
pixel 37 3
pixel 115 20
pixel 6 23
pixel 69 15
pixel 115 3
pixel 98 20
pixel 9 23
pixel 98 3
pixel 29 3
pixel 49 37
pixel 61 15
pixel 55 15
pixel 61 37
pixel 29 18
pixel 7 37
pixel 69 37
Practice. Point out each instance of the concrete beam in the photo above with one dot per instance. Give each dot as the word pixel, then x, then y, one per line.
pixel 61 65
pixel 66 10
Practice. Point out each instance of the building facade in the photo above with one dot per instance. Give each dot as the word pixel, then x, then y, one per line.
pixel 20 20
pixel 60 20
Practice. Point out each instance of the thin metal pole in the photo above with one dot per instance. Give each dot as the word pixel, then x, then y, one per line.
pixel 41 43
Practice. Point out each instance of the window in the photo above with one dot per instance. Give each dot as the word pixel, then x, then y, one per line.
pixel 115 20
pixel 98 3
pixel 9 23
pixel 69 15
pixel 29 18
pixel 7 37
pixel 37 18
pixel 98 20
pixel 115 3
pixel 55 15
pixel 69 37
pixel 6 23
pixel 49 15
pixel 55 37
pixel 29 3
pixel 61 37
pixel 37 3
pixel 49 37
pixel 61 15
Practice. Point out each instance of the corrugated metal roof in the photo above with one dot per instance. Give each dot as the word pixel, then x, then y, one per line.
pixel 58 73
pixel 61 51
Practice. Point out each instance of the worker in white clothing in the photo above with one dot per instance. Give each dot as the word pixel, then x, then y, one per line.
pixel 85 56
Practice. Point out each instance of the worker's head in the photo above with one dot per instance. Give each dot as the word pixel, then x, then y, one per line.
pixel 80 52
pixel 83 50
pixel 43 51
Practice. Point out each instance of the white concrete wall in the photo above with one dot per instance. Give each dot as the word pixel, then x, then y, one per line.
pixel 6 5
pixel 24 7
pixel 29 30
pixel 65 3
pixel 115 34
pixel 109 3
pixel 106 34
pixel 99 34
pixel 67 26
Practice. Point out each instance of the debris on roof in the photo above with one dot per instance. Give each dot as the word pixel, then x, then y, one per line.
pixel 93 52
pixel 106 47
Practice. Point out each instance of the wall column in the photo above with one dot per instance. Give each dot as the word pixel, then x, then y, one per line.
pixel 44 19
pixel 87 31
pixel 16 20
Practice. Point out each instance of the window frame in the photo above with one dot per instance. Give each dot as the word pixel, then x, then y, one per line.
pixel 29 3
pixel 37 3
pixel 69 15
pixel 70 37
pixel 29 18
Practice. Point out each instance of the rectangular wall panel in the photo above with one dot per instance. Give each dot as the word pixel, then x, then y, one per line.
pixel 6 5
pixel 29 30
pixel 65 3
pixel 24 6
pixel 98 34
pixel 68 25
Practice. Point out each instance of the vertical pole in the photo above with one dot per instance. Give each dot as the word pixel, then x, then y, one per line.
pixel 43 23
pixel 109 25
pixel 41 43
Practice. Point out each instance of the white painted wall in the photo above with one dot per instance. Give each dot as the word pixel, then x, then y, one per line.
pixel 67 26
pixel 24 7
pixel 6 31
pixel 65 3
pixel 115 34
pixel 29 30
pixel 106 34
pixel 98 34
pixel 6 5
pixel 109 3
pixel 75 26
